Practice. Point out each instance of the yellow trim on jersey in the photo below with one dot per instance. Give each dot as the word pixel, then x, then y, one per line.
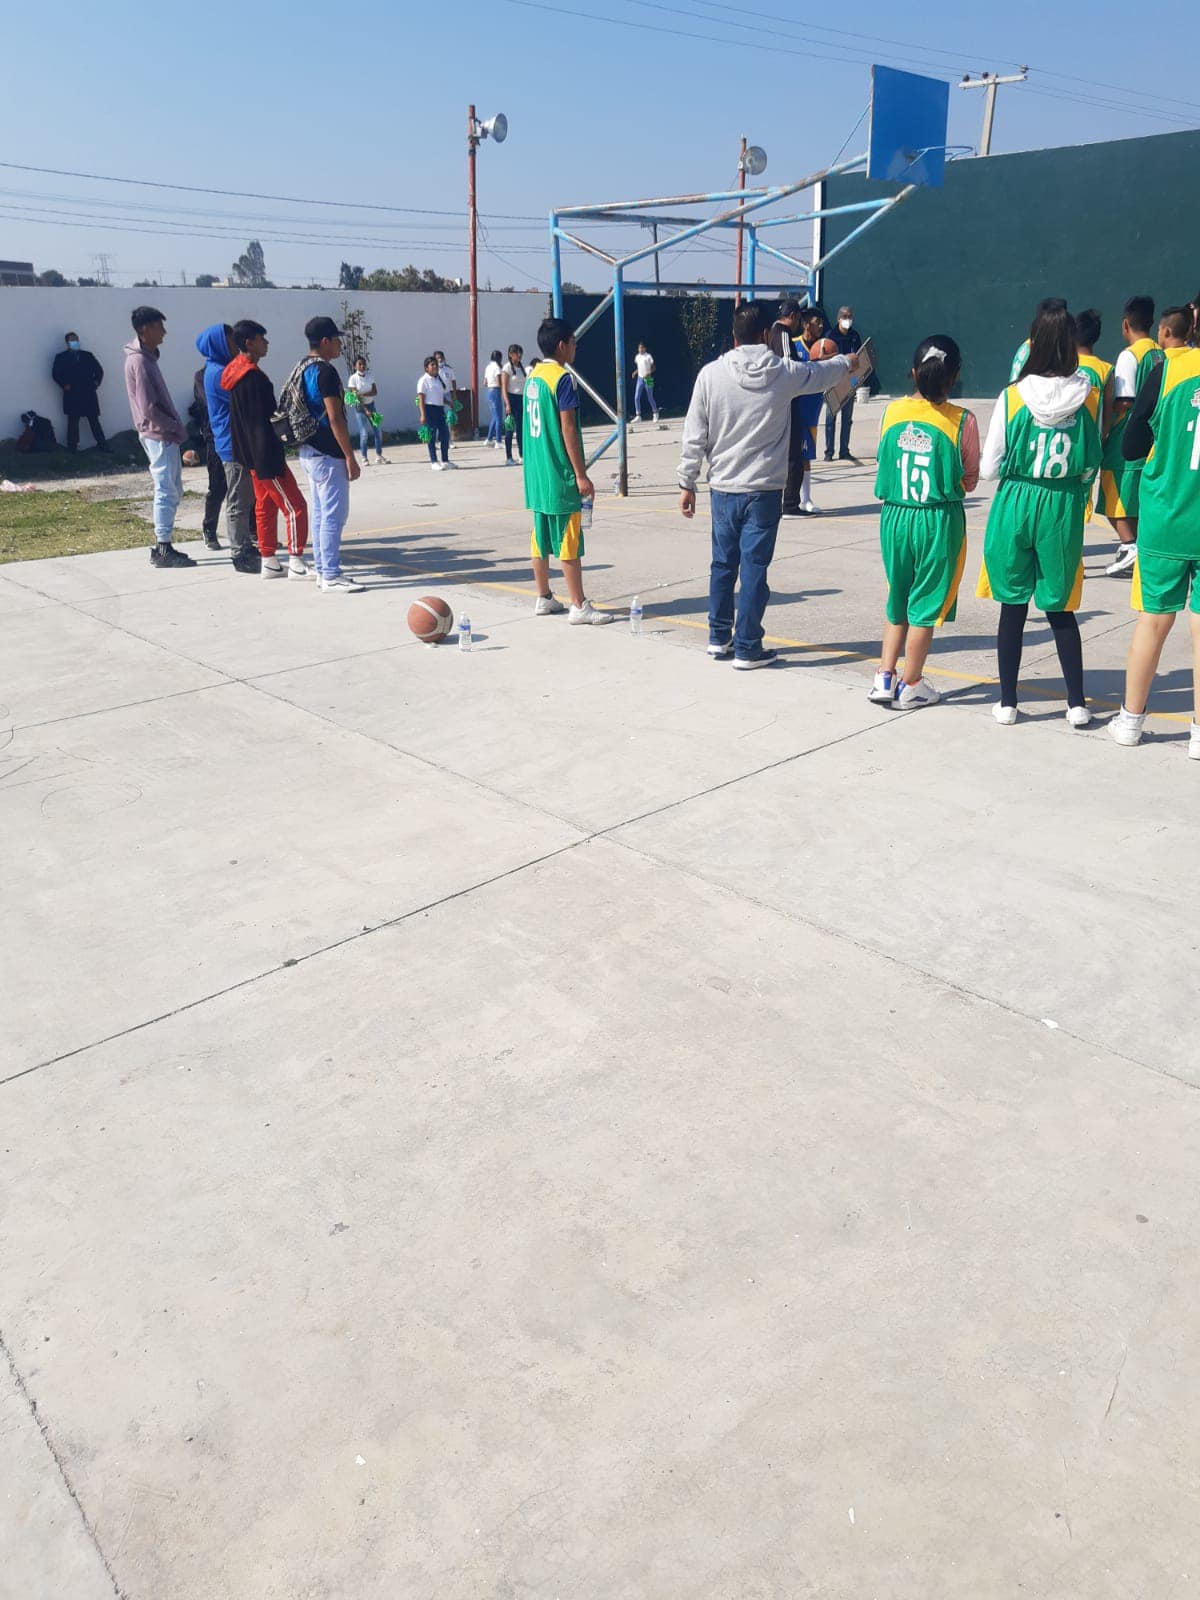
pixel 952 592
pixel 1014 402
pixel 946 418
pixel 1142 347
pixel 1182 363
pixel 1076 591
pixel 1111 503
pixel 549 372
pixel 1135 593
pixel 1101 371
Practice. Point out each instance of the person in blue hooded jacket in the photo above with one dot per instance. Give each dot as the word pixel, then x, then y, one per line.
pixel 216 345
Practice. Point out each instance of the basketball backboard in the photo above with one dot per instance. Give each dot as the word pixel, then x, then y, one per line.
pixel 908 127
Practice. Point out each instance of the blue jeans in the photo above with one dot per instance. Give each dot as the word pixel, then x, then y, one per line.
pixel 642 389
pixel 166 473
pixel 439 431
pixel 496 420
pixel 367 430
pixel 330 485
pixel 744 527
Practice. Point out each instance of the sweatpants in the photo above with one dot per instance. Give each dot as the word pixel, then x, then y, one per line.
pixel 271 496
pixel 239 509
pixel 329 482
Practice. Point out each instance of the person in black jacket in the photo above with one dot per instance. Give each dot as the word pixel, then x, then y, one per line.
pixel 848 341
pixel 257 446
pixel 215 498
pixel 79 375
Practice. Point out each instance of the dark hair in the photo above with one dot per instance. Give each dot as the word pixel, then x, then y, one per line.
pixel 516 350
pixel 1087 327
pixel 553 332
pixel 788 308
pixel 1054 302
pixel 1139 312
pixel 812 314
pixel 244 331
pixel 496 356
pixel 71 335
pixel 143 316
pixel 937 362
pixel 1053 352
pixel 318 328
pixel 1179 320
pixel 750 322
pixel 428 359
pixel 439 355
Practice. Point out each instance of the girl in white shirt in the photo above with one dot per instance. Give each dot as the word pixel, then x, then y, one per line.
pixel 512 383
pixel 491 377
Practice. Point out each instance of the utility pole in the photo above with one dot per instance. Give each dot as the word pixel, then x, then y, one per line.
pixel 990 82
pixel 737 299
pixel 473 137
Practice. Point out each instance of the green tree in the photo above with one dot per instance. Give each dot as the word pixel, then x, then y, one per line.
pixel 349 277
pixel 250 268
pixel 205 280
pixel 356 336
pixel 53 279
pixel 698 319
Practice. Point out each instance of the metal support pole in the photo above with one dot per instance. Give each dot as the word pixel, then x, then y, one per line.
pixel 619 342
pixel 556 294
pixel 472 229
pixel 654 236
pixel 856 233
pixel 593 315
pixel 751 263
pixel 737 299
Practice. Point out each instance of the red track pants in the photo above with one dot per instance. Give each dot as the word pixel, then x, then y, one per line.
pixel 271 496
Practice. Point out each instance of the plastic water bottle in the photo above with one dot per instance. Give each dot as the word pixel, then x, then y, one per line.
pixel 635 617
pixel 586 506
pixel 464 632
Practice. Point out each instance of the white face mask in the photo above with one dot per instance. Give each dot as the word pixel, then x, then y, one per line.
pixel 846 324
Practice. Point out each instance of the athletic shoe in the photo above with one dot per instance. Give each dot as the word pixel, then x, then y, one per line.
pixel 341 585
pixel 913 696
pixel 807 507
pixel 793 511
pixel 1127 729
pixel 366 461
pixel 298 567
pixel 1194 742
pixel 826 458
pixel 272 568
pixel 1126 556
pixel 885 688
pixel 1078 716
pixel 382 461
pixel 586 614
pixel 438 466
pixel 246 561
pixel 211 542
pixel 845 455
pixel 548 605
pixel 1005 715
pixel 449 466
pixel 512 463
pixel 164 554
pixel 764 658
pixel 721 652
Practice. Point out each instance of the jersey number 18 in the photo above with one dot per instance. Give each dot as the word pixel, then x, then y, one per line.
pixel 1054 462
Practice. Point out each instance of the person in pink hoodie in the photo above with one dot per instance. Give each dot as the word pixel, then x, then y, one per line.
pixel 159 428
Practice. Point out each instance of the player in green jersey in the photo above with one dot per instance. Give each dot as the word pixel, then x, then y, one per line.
pixel 1120 476
pixel 928 460
pixel 1054 303
pixel 1164 425
pixel 556 479
pixel 1044 447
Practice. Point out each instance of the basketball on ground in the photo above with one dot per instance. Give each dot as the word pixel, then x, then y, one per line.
pixel 430 618
pixel 821 349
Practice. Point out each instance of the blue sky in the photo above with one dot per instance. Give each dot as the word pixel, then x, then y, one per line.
pixel 367 104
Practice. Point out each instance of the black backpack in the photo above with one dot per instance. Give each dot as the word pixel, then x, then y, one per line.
pixel 39 431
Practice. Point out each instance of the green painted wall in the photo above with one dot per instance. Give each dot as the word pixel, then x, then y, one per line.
pixel 1093 223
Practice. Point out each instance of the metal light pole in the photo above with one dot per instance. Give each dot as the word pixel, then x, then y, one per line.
pixel 497 129
pixel 752 159
pixel 989 82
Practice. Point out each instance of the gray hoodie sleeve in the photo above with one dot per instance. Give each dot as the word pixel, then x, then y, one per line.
pixel 805 376
pixel 695 435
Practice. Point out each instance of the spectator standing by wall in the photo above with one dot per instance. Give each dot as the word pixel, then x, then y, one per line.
pixel 849 342
pixel 328 456
pixel 512 383
pixel 159 428
pixel 365 387
pixel 79 375
pixel 495 400
pixel 216 345
pixel 431 402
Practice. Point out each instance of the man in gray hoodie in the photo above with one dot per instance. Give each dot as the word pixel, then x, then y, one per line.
pixel 740 418
pixel 159 428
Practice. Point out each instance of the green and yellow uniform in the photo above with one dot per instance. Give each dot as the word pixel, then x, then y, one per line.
pixel 1120 479
pixel 1099 372
pixel 551 493
pixel 1033 547
pixel 1168 558
pixel 1018 361
pixel 922 526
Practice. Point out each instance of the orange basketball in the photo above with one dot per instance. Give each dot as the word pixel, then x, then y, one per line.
pixel 430 618
pixel 821 349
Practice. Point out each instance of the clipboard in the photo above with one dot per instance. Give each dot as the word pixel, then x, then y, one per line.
pixel 844 388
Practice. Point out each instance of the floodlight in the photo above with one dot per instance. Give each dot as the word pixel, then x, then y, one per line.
pixel 756 160
pixel 495 128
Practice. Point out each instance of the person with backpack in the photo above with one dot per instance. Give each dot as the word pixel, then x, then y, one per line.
pixel 258 448
pixel 313 406
pixel 158 427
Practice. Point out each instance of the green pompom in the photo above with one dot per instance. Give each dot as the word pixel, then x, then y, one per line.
pixel 423 434
pixel 510 423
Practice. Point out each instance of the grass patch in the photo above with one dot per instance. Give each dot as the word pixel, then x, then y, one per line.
pixel 62 465
pixel 65 522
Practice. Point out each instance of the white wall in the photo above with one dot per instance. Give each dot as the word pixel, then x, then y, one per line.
pixel 406 327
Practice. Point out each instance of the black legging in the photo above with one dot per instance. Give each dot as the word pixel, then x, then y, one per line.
pixel 1066 641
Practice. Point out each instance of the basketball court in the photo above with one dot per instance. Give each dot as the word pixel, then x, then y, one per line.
pixel 438 1163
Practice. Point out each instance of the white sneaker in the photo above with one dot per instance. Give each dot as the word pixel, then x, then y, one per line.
pixel 548 605
pixel 808 508
pixel 1078 716
pixel 721 652
pixel 512 463
pixel 913 696
pixel 587 614
pixel 341 585
pixel 382 461
pixel 884 690
pixel 1194 742
pixel 1005 715
pixel 1127 729
pixel 271 567
pixel 1126 556
pixel 438 466
pixel 449 466
pixel 298 567
pixel 366 461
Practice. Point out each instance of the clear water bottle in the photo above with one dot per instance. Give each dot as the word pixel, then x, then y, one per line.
pixel 586 506
pixel 635 617
pixel 464 632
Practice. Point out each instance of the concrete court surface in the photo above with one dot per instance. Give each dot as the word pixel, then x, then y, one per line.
pixel 573 1121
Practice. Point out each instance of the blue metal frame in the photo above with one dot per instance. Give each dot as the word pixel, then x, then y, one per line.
pixel 748 203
